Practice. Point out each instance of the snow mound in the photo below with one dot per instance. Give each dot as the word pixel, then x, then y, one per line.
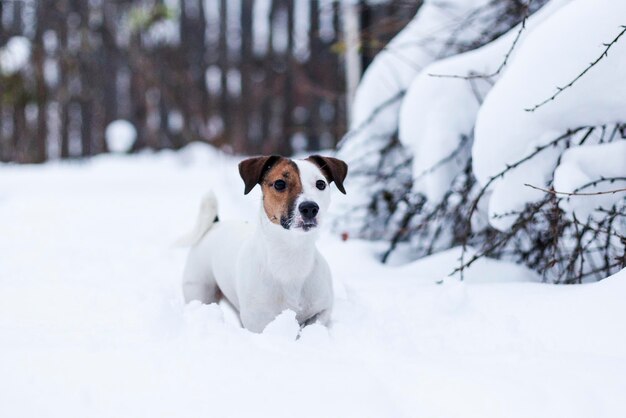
pixel 582 169
pixel 284 325
pixel 376 105
pixel 439 109
pixel 422 41
pixel 120 136
pixel 552 55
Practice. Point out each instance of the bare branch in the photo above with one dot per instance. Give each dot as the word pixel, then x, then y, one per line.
pixel 509 167
pixel 518 35
pixel 560 90
pixel 554 192
pixel 501 174
pixel 381 107
pixel 464 140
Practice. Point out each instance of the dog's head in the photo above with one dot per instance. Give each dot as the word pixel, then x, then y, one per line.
pixel 296 193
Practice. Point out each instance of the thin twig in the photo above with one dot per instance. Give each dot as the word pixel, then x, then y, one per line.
pixel 598 181
pixel 491 247
pixel 377 110
pixel 501 174
pixel 560 90
pixel 509 167
pixel 518 35
pixel 444 160
pixel 554 192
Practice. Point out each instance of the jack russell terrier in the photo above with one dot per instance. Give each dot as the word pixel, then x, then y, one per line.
pixel 264 269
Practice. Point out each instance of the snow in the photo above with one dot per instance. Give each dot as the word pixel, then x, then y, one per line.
pixel 551 56
pixel 581 166
pixel 163 32
pixel 424 39
pixel 438 112
pixel 445 121
pixel 285 325
pixel 434 117
pixel 92 321
pixel 14 55
pixel 120 136
pixel 376 105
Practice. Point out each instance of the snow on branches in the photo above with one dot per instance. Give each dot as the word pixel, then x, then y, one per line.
pixel 458 158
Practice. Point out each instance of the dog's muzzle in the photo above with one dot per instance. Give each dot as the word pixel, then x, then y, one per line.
pixel 308 212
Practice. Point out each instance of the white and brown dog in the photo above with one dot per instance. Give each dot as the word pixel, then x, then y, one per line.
pixel 264 269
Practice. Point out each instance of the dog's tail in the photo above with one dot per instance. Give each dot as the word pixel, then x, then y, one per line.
pixel 206 218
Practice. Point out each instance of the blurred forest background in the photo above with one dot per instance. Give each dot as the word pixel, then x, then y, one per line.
pixel 249 76
pixel 280 76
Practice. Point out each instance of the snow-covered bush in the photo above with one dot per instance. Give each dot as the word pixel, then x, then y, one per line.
pixel 515 147
pixel 380 165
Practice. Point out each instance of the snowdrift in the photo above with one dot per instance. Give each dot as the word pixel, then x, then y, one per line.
pixel 92 321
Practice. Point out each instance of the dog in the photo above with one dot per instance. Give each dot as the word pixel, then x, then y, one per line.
pixel 266 268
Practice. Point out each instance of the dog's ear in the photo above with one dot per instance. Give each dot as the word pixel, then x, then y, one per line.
pixel 253 169
pixel 333 168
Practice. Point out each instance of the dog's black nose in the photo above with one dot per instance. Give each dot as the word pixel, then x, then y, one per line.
pixel 308 209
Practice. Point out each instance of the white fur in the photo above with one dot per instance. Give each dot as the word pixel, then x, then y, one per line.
pixel 264 269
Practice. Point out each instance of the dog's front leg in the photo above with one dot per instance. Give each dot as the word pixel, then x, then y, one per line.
pixel 259 301
pixel 256 320
pixel 323 317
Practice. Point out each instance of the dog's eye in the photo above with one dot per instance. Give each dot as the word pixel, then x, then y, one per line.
pixel 280 185
pixel 320 184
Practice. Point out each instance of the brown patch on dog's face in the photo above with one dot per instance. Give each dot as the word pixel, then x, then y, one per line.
pixel 281 187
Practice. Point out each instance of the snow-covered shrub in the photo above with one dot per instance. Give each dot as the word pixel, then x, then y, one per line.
pixel 517 148
pixel 380 164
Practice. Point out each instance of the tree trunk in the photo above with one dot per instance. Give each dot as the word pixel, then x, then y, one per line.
pixel 247 7
pixel 285 147
pixel 267 110
pixel 365 23
pixel 315 48
pixel 39 153
pixel 110 63
pixel 352 59
pixel 19 130
pixel 63 89
pixel 223 64
pixel 86 79
pixel 3 152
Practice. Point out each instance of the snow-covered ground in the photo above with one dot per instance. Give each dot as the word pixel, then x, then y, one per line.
pixel 92 321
